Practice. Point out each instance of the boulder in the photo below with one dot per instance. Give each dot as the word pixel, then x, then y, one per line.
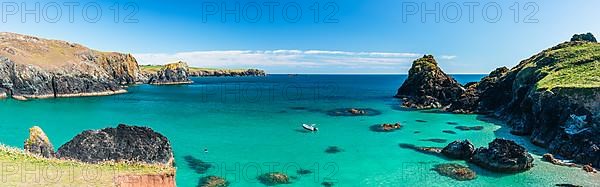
pixel 427 86
pixel 124 143
pixel 503 156
pixel 38 143
pixel 459 150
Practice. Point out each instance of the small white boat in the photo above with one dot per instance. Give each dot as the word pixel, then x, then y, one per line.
pixel 310 127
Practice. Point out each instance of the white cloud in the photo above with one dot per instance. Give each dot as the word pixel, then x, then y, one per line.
pixel 448 57
pixel 290 61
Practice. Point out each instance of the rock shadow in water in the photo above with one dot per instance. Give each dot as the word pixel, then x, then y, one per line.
pixel 436 140
pixel 197 165
pixel 465 128
pixel 333 150
pixel 449 132
pixel 347 112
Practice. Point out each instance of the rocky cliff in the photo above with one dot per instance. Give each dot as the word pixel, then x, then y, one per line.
pixel 554 97
pixel 33 67
pixel 427 86
pixel 173 73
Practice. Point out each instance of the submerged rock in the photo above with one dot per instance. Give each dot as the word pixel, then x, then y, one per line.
pixel 38 143
pixel 455 171
pixel 333 150
pixel 436 140
pixel 274 178
pixel 212 181
pixel 303 171
pixel 353 112
pixel 386 127
pixel 427 86
pixel 503 156
pixel 465 128
pixel 463 150
pixel 124 143
pixel 197 165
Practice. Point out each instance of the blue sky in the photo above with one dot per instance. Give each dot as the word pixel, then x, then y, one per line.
pixel 362 36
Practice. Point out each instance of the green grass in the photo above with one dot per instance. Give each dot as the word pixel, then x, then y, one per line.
pixel 574 67
pixel 24 169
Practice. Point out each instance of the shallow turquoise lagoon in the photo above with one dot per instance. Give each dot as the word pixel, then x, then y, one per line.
pixel 251 125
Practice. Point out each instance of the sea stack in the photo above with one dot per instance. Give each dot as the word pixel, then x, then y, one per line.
pixel 38 143
pixel 427 86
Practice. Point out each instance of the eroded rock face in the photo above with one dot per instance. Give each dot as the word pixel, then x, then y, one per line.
pixel 173 73
pixel 503 156
pixel 38 68
pixel 427 86
pixel 38 143
pixel 484 96
pixel 462 150
pixel 124 143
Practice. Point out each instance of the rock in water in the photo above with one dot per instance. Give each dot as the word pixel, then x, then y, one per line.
pixel 38 143
pixel 274 178
pixel 173 73
pixel 503 156
pixel 427 86
pixel 455 171
pixel 213 181
pixel 124 143
pixel 459 150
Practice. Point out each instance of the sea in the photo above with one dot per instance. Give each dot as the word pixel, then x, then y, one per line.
pixel 241 127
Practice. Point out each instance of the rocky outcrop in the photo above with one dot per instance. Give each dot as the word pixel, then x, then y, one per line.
pixel 197 72
pixel 173 73
pixel 587 37
pixel 462 150
pixel 38 143
pixel 553 97
pixel 503 156
pixel 124 143
pixel 427 86
pixel 39 68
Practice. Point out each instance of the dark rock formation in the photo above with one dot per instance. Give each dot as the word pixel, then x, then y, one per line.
pixel 503 156
pixel 33 67
pixel 212 181
pixel 353 112
pixel 427 86
pixel 455 171
pixel 174 73
pixel 274 178
pixel 38 143
pixel 553 97
pixel 124 143
pixel 462 150
pixel 589 37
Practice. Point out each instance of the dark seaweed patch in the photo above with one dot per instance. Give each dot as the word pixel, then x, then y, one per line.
pixel 449 132
pixel 436 140
pixel 333 150
pixel 197 165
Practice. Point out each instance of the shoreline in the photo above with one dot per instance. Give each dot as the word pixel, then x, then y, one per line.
pixel 172 83
pixel 50 96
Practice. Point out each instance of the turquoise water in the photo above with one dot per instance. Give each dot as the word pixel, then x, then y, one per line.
pixel 251 125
